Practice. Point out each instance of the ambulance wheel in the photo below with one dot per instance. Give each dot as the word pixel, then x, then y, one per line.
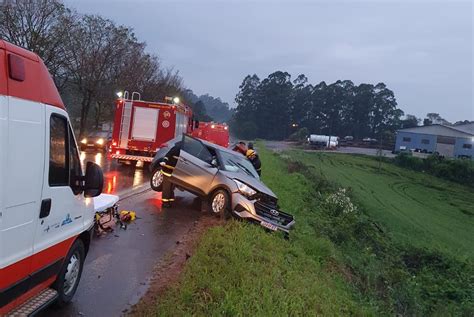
pixel 219 203
pixel 156 180
pixel 70 273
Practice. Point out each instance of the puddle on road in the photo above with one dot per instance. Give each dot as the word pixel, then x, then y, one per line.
pixel 116 177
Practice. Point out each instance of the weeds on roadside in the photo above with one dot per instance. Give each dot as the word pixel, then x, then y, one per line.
pixel 399 278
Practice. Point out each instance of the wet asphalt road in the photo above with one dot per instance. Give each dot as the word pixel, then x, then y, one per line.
pixel 117 178
pixel 120 264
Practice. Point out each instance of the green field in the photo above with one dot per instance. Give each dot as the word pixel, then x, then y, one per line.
pixel 416 208
pixel 394 242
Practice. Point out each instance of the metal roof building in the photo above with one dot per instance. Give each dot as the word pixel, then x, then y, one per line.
pixel 449 141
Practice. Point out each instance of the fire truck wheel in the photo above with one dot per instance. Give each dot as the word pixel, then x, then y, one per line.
pixel 219 203
pixel 156 180
pixel 70 274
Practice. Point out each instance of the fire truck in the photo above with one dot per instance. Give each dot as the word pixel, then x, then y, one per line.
pixel 142 127
pixel 216 133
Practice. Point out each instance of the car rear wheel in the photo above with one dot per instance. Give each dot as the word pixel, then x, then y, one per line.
pixel 70 273
pixel 219 203
pixel 156 180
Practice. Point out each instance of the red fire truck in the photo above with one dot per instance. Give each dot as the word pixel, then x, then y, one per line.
pixel 217 133
pixel 141 127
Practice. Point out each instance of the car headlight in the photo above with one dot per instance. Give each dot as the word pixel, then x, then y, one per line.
pixel 84 141
pixel 244 188
pixel 100 141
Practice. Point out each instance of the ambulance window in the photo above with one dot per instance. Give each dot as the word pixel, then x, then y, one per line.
pixel 75 172
pixel 58 152
pixel 16 65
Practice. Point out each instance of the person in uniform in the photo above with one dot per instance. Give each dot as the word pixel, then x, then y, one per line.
pixel 167 167
pixel 253 157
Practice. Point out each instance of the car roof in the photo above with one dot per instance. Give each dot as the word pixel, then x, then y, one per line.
pixel 219 147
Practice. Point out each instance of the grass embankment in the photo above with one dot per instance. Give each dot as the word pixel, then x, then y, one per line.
pixel 417 208
pixel 339 261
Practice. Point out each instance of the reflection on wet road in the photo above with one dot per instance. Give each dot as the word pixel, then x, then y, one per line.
pixel 116 177
pixel 119 265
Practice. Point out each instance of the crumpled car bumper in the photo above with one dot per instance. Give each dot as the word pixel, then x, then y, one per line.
pixel 266 215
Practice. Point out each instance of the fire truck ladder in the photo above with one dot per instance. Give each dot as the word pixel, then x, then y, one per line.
pixel 126 118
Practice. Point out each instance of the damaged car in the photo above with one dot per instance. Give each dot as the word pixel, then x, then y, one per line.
pixel 226 179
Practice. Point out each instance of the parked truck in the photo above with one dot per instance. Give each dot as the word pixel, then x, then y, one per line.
pixel 328 141
pixel 46 209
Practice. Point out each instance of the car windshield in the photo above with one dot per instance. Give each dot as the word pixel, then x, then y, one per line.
pixel 237 163
pixel 100 134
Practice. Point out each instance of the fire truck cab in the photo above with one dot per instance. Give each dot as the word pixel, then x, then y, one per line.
pixel 217 133
pixel 142 127
pixel 46 209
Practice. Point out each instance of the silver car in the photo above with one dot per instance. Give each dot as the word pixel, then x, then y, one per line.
pixel 226 179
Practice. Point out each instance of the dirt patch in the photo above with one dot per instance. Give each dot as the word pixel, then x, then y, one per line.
pixel 168 271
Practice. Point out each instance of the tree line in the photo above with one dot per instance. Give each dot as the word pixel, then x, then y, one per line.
pixel 89 57
pixel 276 107
pixel 208 108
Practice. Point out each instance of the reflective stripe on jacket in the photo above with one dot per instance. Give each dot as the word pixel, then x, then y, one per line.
pixel 170 160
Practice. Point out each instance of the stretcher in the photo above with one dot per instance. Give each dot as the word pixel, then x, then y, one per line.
pixel 106 210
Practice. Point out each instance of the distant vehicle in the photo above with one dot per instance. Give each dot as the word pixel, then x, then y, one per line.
pixel 226 179
pixel 348 138
pixel 369 140
pixel 323 140
pixel 97 141
pixel 46 214
pixel 217 133
pixel 142 127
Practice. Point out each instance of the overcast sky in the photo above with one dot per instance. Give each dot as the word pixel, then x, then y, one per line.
pixel 422 50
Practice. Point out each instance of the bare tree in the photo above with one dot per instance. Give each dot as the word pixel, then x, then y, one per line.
pixel 96 50
pixel 90 57
pixel 40 26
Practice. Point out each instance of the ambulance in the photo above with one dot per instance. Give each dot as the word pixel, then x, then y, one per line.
pixel 46 208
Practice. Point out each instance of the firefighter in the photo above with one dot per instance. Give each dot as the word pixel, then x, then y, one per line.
pixel 252 156
pixel 167 167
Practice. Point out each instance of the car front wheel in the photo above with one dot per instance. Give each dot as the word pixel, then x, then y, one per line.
pixel 70 274
pixel 156 180
pixel 219 203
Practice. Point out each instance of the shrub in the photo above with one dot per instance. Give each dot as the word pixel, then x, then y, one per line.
pixel 459 171
pixel 299 135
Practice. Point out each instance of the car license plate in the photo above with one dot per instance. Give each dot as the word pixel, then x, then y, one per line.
pixel 90 145
pixel 268 226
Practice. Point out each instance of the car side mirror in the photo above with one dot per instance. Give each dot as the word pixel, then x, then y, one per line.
pixel 93 181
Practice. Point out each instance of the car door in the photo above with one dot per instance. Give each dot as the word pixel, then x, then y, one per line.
pixel 61 216
pixel 194 170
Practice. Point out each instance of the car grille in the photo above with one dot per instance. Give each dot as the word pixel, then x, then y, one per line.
pixel 266 199
pixel 272 213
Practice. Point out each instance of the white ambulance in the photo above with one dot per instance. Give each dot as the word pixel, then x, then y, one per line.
pixel 46 209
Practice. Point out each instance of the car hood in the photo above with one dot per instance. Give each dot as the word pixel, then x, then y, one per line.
pixel 251 181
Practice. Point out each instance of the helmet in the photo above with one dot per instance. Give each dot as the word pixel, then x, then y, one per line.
pixel 250 146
